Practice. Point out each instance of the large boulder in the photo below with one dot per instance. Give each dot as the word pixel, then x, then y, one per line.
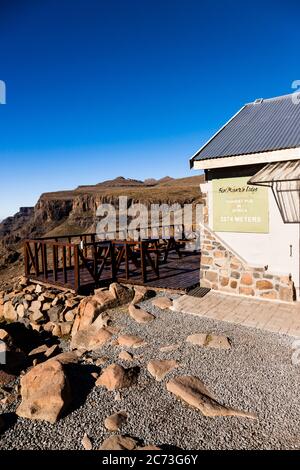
pixel 45 392
pixel 192 391
pixel 90 339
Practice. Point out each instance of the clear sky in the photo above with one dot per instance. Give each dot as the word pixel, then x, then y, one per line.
pixel 98 89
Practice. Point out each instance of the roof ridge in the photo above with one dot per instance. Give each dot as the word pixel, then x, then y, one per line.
pixel 274 98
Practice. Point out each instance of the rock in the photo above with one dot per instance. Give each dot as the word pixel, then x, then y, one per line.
pixel 23 281
pixel 6 378
pixel 95 375
pixel 118 396
pixel 20 310
pixel 56 331
pixel 89 310
pixel 169 347
pixel 122 293
pixel 50 351
pixel 209 340
pixel 159 369
pixel 193 392
pixel 86 442
pixel 142 293
pixel 69 357
pixel 118 442
pixel 115 377
pixel 130 341
pixel 46 307
pixel 90 339
pixel 49 326
pixel 150 447
pixel 38 289
pixel 65 328
pixel 37 317
pixel 101 360
pixel 115 421
pixel 198 339
pixel 69 316
pixel 39 350
pixel 3 335
pixel 54 313
pixel 45 392
pixel 35 306
pixel 140 315
pixel 9 312
pixel 162 303
pixel 28 297
pixel 125 356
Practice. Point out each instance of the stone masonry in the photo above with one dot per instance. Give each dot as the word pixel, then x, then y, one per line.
pixel 223 270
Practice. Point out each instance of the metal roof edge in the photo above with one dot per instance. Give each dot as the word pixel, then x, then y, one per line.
pixel 191 160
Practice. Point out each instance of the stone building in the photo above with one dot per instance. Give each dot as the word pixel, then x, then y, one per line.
pixel 250 243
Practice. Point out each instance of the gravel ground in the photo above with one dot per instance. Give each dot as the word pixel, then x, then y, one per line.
pixel 256 375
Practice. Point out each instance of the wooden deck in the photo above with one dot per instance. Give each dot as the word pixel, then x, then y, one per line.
pixel 177 274
pixel 81 263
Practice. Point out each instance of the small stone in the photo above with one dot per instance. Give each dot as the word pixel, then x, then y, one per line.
pixel 35 306
pixel 20 310
pixel 140 315
pixel 3 335
pixel 126 356
pixel 69 316
pixel 86 442
pixel 95 375
pixel 39 350
pixel 46 306
pixel 115 421
pixel 36 317
pixel 169 347
pixel 162 303
pixel 9 312
pixel 130 341
pixel 159 369
pixel 101 360
pixel 209 340
pixel 115 377
pixel 118 442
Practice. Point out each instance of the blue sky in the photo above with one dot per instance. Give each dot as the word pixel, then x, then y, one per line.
pixel 98 89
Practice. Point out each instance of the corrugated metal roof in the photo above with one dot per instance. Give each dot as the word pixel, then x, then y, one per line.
pixel 261 126
pixel 273 172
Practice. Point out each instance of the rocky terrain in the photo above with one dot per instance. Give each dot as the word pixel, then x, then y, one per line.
pixel 121 369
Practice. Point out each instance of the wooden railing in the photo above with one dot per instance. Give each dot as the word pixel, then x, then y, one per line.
pixel 62 263
pixel 71 261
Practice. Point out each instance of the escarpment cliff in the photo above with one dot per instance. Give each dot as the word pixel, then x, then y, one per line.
pixel 72 212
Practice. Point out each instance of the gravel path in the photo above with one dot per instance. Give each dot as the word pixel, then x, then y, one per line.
pixel 256 375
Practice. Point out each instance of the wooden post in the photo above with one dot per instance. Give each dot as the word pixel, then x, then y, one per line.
pixel 54 260
pixel 44 248
pixel 113 261
pixel 126 262
pixel 36 258
pixel 143 262
pixel 64 261
pixel 76 269
pixel 26 260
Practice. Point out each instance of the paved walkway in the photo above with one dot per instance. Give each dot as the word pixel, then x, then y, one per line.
pixel 273 316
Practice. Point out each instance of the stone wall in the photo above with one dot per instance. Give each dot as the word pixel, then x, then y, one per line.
pixel 222 269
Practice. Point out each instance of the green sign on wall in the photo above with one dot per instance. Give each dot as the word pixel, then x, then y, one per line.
pixel 239 207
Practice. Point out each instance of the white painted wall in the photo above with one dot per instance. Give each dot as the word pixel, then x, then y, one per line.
pixel 271 249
